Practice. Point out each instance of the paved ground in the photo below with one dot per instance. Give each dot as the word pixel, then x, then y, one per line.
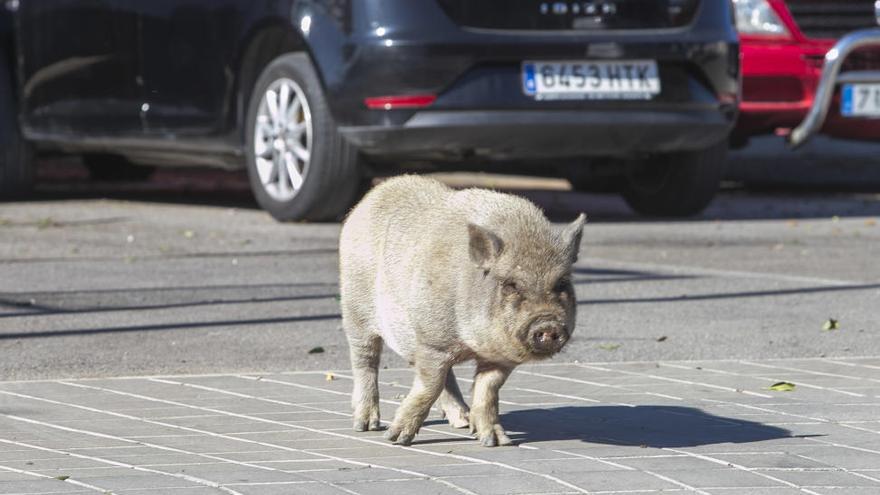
pixel 92 287
pixel 683 325
pixel 706 427
pixel 823 162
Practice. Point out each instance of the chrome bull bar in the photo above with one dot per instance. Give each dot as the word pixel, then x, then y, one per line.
pixel 831 76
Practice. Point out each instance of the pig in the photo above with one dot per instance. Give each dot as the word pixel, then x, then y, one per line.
pixel 444 276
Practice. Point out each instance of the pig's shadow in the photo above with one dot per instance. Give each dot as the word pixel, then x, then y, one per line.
pixel 650 426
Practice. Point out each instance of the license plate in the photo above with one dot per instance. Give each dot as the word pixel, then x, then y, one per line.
pixel 597 80
pixel 860 100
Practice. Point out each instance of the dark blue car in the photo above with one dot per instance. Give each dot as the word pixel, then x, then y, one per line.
pixel 315 96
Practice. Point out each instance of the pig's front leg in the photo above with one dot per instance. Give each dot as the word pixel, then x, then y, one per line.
pixel 484 411
pixel 428 383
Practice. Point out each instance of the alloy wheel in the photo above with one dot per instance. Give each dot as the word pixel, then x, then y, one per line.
pixel 283 139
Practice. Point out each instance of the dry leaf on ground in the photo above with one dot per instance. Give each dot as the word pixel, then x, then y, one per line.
pixel 831 324
pixel 782 386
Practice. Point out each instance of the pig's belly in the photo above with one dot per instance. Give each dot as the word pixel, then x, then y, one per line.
pixel 394 326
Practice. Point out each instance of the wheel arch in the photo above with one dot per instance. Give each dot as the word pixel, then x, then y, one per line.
pixel 317 29
pixel 266 43
pixel 8 52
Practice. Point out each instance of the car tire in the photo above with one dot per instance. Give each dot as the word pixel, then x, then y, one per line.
pixel 585 182
pixel 16 167
pixel 675 184
pixel 321 174
pixel 115 168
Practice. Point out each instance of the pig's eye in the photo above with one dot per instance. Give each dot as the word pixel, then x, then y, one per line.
pixel 562 285
pixel 510 287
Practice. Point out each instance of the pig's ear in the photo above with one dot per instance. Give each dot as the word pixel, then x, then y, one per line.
pixel 483 245
pixel 571 236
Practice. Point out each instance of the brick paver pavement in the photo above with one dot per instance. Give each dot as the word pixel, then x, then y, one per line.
pixel 707 427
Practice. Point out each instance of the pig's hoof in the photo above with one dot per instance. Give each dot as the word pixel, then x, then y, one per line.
pixel 367 420
pixel 457 418
pixel 367 425
pixel 460 422
pixel 405 440
pixel 494 437
pixel 400 435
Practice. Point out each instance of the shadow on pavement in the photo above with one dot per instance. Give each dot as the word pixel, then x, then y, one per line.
pixel 605 276
pixel 28 309
pixel 236 324
pixel 649 426
pixel 173 256
pixel 731 295
pixel 62 179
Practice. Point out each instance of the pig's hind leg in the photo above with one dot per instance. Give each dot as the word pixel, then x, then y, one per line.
pixel 366 348
pixel 452 404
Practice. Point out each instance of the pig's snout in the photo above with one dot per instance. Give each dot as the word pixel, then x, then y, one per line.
pixel 547 336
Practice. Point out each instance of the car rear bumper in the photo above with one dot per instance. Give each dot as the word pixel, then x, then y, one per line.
pixel 826 91
pixel 779 79
pixel 501 135
pixel 473 78
pixel 779 82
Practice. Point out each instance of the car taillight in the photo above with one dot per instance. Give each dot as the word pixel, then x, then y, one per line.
pixel 396 102
pixel 758 17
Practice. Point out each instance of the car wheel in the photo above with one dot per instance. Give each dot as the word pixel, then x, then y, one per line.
pixel 584 181
pixel 675 184
pixel 16 169
pixel 300 167
pixel 114 168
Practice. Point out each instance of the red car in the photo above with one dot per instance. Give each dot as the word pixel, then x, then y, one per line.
pixel 783 44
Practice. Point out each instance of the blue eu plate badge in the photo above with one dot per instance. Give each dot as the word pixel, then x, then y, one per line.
pixel 846 100
pixel 529 84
